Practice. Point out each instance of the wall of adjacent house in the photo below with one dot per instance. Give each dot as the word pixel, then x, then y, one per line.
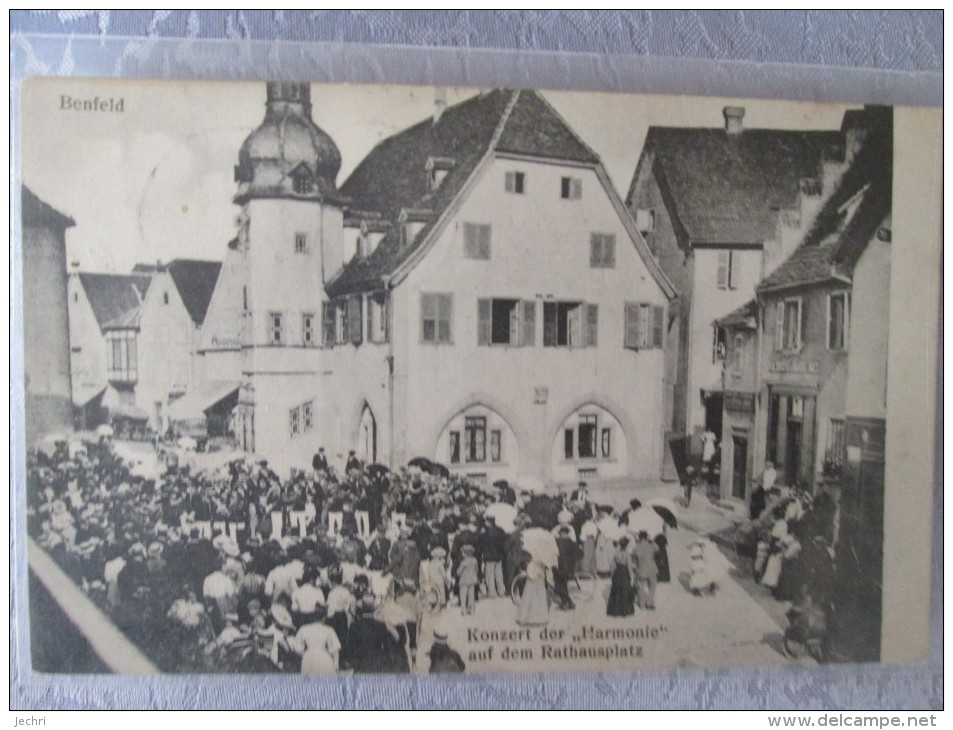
pixel 712 302
pixel 540 252
pixel 164 346
pixel 87 345
pixel 221 335
pixel 870 309
pixel 813 370
pixel 45 332
pixel 663 242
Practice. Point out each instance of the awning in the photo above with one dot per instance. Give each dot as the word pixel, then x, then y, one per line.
pixel 201 398
pixel 90 400
pixel 133 413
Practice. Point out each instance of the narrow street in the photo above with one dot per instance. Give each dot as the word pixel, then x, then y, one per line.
pixel 730 628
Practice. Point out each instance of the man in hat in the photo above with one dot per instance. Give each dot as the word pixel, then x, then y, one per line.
pixel 645 569
pixel 320 461
pixel 434 581
pixel 468 577
pixel 378 550
pixel 353 463
pixel 404 559
pixel 494 549
pixel 443 659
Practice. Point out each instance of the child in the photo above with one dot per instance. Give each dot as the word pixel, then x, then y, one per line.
pixel 467 579
pixel 702 578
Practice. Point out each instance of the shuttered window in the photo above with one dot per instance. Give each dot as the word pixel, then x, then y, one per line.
pixel 592 325
pixel 327 323
pixel 529 324
pixel 476 241
pixel 355 320
pixel 436 313
pixel 644 326
pixel 602 251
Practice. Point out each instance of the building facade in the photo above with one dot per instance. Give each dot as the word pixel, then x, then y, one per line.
pixel 46 357
pixel 720 209
pixel 797 365
pixel 474 293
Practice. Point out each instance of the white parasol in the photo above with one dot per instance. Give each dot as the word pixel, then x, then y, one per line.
pixel 541 545
pixel 504 514
pixel 645 519
pixel 104 430
pixel 610 527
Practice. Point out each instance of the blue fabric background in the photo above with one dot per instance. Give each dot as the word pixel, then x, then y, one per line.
pixel 446 47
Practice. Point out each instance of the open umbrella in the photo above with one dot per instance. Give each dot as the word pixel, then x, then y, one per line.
pixel 504 514
pixel 541 545
pixel 666 509
pixel 377 471
pixel 645 519
pixel 610 527
pixel 438 470
pixel 422 463
pixel 104 430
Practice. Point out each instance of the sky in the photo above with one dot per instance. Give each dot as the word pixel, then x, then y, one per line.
pixel 155 182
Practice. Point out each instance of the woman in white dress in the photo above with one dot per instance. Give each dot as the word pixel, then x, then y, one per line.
pixel 319 647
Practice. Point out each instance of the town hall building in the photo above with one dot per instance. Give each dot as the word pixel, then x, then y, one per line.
pixel 475 293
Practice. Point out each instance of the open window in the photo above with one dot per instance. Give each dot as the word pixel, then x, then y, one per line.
pixel 570 324
pixel 509 322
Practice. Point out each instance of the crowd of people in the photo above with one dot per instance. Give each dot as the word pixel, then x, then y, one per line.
pixel 236 569
pixel 790 540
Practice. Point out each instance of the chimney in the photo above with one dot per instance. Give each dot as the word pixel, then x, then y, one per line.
pixel 439 102
pixel 734 119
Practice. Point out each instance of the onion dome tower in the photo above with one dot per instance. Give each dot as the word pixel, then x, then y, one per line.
pixel 288 155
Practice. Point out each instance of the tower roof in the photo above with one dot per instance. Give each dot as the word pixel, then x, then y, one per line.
pixel 288 155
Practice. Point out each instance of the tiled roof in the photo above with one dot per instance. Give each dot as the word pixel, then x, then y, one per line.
pixel 743 316
pixel 728 188
pixel 393 175
pixel 195 281
pixel 834 243
pixel 115 298
pixel 37 213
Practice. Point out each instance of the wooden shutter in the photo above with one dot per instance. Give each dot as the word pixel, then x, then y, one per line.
pixel 575 188
pixel 484 242
pixel 515 317
pixel 779 326
pixel 550 324
pixel 355 320
pixel 510 182
pixel 371 307
pixel 595 250
pixel 471 244
pixel 734 269
pixel 484 321
pixel 328 323
pixel 631 339
pixel 608 251
pixel 658 325
pixel 592 325
pixel 385 318
pixel 444 317
pixel 528 334
pixel 724 262
pixel 802 322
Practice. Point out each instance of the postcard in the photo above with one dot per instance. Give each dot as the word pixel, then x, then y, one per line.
pixel 341 379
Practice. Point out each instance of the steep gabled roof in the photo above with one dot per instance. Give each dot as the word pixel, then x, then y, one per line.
pixel 115 298
pixel 37 213
pixel 728 188
pixel 393 176
pixel 195 281
pixel 842 230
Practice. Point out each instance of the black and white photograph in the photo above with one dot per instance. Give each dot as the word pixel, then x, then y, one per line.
pixel 342 379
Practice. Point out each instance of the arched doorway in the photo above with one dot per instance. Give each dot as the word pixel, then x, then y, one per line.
pixel 367 436
pixel 589 444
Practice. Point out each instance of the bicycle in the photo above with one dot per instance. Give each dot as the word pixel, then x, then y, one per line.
pixel 582 587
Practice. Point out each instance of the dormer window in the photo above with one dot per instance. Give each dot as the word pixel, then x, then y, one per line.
pixel 301 180
pixel 362 247
pixel 303 184
pixel 437 169
pixel 811 187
